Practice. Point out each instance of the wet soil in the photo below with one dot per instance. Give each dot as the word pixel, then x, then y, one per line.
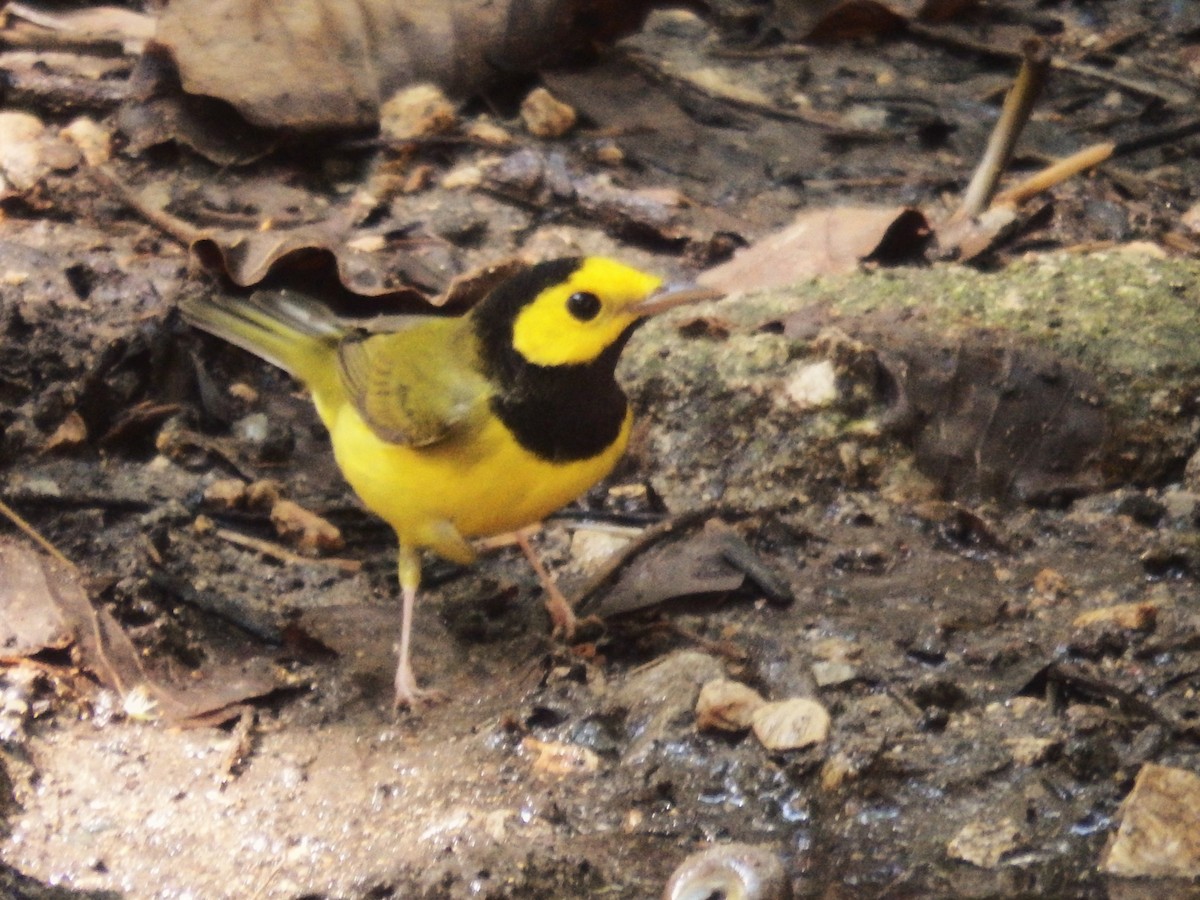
pixel 948 636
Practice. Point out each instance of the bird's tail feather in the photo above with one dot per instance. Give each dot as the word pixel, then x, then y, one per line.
pixel 287 329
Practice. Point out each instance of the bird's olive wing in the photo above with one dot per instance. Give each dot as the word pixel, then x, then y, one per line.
pixel 416 386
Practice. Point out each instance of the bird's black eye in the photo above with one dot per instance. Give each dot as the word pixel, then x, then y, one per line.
pixel 583 305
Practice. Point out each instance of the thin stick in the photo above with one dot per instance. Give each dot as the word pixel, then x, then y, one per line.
pixel 951 38
pixel 1013 117
pixel 267 548
pixel 34 535
pixel 184 232
pixel 1058 172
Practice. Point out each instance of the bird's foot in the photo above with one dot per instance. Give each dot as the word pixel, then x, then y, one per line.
pixel 565 625
pixel 409 696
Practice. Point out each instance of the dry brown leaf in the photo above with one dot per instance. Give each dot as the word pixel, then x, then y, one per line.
pixel 30 621
pixel 43 601
pixel 91 24
pixel 316 65
pixel 691 567
pixel 248 257
pixel 823 242
pixel 846 20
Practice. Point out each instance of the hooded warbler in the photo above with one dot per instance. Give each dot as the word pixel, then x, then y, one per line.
pixel 452 428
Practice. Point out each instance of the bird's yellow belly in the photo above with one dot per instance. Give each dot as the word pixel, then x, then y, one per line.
pixel 482 485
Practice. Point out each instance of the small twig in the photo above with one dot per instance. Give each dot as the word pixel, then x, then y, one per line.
pixel 184 232
pixel 728 649
pixel 276 551
pixel 1077 677
pixel 1018 106
pixel 34 535
pixel 1069 167
pixel 950 38
pixel 1157 138
pixel 241 743
pixel 830 121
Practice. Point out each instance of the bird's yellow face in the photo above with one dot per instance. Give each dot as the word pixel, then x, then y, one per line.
pixel 576 320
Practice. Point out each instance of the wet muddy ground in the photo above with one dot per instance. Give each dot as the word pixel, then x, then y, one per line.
pixel 997 667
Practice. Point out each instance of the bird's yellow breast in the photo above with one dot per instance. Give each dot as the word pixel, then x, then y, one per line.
pixel 481 483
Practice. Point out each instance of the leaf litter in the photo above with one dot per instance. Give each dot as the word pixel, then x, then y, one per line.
pixel 939 614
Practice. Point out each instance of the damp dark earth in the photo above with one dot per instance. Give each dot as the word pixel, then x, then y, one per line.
pixel 895 593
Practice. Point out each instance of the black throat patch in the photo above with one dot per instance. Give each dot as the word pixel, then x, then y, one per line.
pixel 558 413
pixel 565 413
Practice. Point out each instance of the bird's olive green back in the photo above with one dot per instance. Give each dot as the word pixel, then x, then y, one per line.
pixel 418 385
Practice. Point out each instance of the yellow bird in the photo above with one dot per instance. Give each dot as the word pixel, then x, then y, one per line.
pixel 453 428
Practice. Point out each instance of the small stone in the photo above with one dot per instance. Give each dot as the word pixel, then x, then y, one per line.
pixel 1050 588
pixel 833 649
pixel 726 705
pixel 658 699
pixel 29 152
pixel 417 111
pixel 239 390
pixel 1032 751
pixel 263 494
pixel 93 140
pixel 590 549
pixel 608 153
pixel 465 177
pixel 985 844
pixel 1129 616
pixel 813 386
pixel 838 769
pixel 545 116
pixel 487 131
pixel 72 432
pixel 225 493
pixel 791 724
pixel 556 758
pixel 829 674
pixel 305 528
pixel 1159 834
pixel 367 243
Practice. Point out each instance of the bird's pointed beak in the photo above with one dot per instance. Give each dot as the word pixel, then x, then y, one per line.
pixel 672 295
